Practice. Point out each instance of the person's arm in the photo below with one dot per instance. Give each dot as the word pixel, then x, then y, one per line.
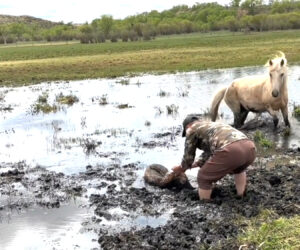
pixel 190 147
pixel 201 160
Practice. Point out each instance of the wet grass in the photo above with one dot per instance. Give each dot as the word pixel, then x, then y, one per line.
pixel 147 123
pixel 268 231
pixel 43 108
pixel 6 108
pixel 33 64
pixel 42 105
pixel 124 106
pixel 89 146
pixel 172 109
pixel 103 100
pixel 296 112
pixel 67 99
pixel 42 99
pixel 261 140
pixel 163 93
pixel 123 82
pixel 183 93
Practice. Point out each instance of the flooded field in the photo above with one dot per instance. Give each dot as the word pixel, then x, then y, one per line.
pixel 94 150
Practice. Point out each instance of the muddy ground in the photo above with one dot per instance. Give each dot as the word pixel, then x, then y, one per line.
pixel 85 163
pixel 131 214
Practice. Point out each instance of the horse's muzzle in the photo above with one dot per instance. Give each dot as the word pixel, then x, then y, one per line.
pixel 275 93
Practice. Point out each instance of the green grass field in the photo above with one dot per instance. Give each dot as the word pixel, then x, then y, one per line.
pixel 29 64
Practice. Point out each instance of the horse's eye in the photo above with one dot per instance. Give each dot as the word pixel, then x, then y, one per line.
pixel 270 75
pixel 281 74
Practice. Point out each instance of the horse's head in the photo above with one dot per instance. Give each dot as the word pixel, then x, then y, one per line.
pixel 278 74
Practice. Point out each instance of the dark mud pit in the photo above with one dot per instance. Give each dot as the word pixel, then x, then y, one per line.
pixel 74 178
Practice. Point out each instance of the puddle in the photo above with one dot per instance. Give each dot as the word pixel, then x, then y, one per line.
pixel 39 228
pixel 123 221
pixel 58 141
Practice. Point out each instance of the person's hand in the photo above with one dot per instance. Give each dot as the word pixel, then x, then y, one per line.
pixel 178 170
pixel 195 165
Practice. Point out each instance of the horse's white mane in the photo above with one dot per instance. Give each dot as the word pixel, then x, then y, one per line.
pixel 277 60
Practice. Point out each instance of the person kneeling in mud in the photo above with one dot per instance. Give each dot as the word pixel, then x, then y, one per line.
pixel 226 150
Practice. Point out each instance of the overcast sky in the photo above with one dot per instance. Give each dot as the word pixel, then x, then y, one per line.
pixel 79 11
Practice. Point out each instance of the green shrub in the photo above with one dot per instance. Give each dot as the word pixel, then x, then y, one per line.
pixel 114 36
pixel 125 36
pixel 132 35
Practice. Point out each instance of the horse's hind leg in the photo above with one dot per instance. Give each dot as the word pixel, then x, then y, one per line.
pixel 244 114
pixel 235 106
pixel 284 112
pixel 238 120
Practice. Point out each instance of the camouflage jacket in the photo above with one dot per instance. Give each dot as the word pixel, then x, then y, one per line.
pixel 209 137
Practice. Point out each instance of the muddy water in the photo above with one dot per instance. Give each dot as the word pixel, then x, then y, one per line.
pixel 134 126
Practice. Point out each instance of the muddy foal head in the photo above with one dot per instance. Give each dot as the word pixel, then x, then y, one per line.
pixel 158 175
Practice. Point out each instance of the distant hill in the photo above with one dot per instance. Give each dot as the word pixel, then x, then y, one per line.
pixel 6 19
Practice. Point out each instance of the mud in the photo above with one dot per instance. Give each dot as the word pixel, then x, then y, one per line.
pixel 22 186
pixel 191 223
pixel 194 224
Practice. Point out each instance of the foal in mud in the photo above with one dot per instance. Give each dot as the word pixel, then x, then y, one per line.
pixel 257 94
pixel 226 151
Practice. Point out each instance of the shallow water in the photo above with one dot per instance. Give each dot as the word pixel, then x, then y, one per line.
pixel 39 228
pixel 57 141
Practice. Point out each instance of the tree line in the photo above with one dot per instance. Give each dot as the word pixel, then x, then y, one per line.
pixel 246 16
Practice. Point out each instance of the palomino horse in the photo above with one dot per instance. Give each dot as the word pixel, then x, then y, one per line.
pixel 257 94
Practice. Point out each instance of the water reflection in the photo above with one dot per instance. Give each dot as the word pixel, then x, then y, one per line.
pixel 47 229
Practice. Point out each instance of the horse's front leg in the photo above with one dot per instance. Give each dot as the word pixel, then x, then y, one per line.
pixel 274 115
pixel 284 111
pixel 237 122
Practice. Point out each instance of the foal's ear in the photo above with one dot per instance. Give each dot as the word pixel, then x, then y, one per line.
pixel 270 62
pixel 282 62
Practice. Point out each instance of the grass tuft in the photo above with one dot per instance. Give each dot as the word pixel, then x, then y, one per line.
pixel 42 105
pixel 43 108
pixel 262 141
pixel 103 100
pixel 296 111
pixel 172 109
pixel 68 99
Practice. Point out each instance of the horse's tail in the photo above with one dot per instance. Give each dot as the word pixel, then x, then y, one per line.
pixel 216 103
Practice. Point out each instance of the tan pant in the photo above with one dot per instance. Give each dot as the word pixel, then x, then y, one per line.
pixel 231 159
